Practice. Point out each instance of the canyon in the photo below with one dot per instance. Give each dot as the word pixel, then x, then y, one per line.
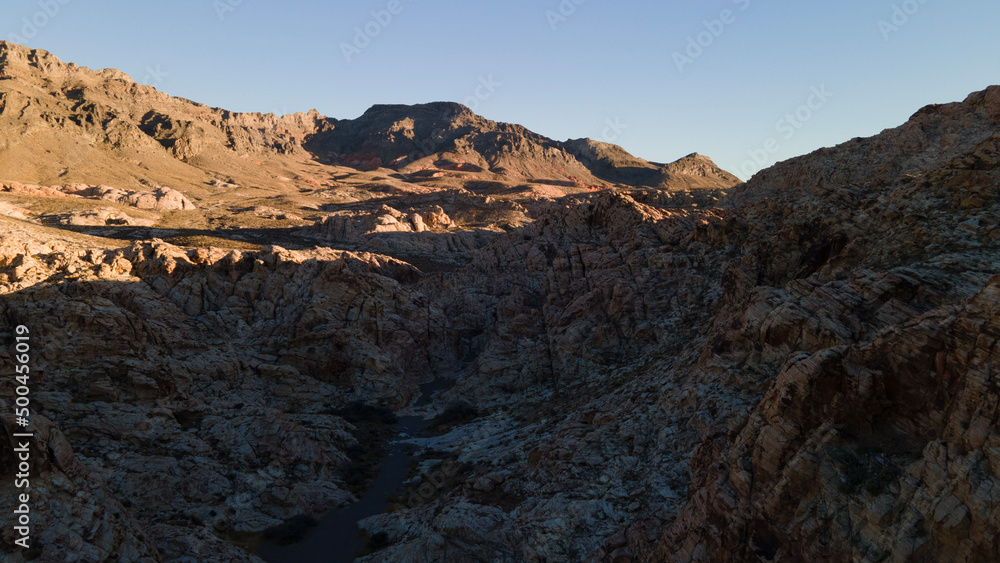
pixel 616 359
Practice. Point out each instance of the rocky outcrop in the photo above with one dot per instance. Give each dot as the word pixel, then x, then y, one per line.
pixel 352 227
pixel 159 199
pixel 101 217
pixel 429 232
pixel 885 442
pixel 81 518
pixel 871 443
pixel 13 211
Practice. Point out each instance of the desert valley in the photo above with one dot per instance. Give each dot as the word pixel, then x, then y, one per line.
pixel 502 346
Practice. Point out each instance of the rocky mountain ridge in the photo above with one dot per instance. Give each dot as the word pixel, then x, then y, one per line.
pixel 43 97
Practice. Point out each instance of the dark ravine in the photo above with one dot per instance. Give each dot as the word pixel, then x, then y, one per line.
pixel 336 538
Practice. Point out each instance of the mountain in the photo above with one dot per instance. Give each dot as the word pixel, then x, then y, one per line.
pixel 798 368
pixel 68 124
pixel 450 136
pixel 694 171
pixel 101 126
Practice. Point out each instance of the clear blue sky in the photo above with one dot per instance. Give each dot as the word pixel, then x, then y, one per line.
pixel 568 76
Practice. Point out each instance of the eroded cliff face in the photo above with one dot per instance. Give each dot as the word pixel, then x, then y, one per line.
pixel 873 441
pixel 803 375
pixel 799 369
pixel 197 387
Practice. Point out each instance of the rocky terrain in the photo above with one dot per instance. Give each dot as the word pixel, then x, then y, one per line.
pixel 646 362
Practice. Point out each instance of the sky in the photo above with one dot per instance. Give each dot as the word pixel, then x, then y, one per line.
pixel 745 82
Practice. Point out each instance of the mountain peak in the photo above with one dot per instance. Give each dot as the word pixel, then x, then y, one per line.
pixel 445 108
pixel 698 171
pixel 612 162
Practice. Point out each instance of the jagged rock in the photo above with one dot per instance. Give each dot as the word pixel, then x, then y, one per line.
pixel 801 359
pixel 74 514
pixel 102 217
pixel 161 199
